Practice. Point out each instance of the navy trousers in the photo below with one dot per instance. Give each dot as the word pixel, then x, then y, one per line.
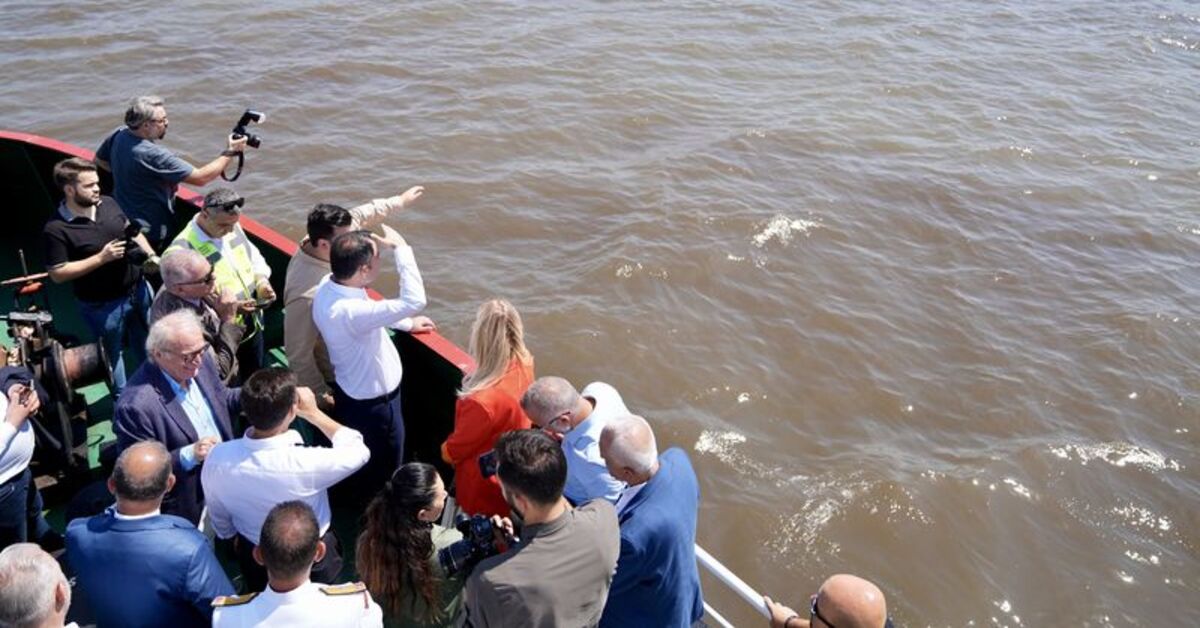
pixel 382 426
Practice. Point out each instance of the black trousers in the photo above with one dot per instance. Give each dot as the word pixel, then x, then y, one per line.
pixel 324 571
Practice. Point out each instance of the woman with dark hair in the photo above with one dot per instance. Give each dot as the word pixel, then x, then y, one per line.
pixel 397 551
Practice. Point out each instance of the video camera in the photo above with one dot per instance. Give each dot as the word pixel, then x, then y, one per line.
pixel 478 543
pixel 240 130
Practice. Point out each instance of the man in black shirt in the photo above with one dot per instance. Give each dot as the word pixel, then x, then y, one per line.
pixel 86 239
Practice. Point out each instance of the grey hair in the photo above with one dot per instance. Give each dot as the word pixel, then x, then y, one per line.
pixel 141 109
pixel 165 330
pixel 28 577
pixel 548 397
pixel 631 442
pixel 179 266
pixel 222 199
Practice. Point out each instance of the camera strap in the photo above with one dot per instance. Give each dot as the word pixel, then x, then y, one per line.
pixel 238 173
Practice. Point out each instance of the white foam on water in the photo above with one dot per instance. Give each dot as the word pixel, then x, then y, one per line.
pixel 626 271
pixel 1143 517
pixel 782 229
pixel 1152 559
pixel 1118 455
pixel 1019 488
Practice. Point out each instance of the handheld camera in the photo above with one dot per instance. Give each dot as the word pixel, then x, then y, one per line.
pixel 478 543
pixel 239 131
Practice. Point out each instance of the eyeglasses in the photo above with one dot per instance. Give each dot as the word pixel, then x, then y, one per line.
pixel 813 611
pixel 157 120
pixel 207 279
pixel 192 356
pixel 228 206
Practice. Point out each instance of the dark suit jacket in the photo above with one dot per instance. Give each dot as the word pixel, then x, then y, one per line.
pixel 148 410
pixel 223 337
pixel 657 583
pixel 157 571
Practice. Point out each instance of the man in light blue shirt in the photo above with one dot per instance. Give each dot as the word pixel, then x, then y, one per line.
pixel 177 398
pixel 554 405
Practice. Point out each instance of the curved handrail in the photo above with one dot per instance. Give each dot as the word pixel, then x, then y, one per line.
pixel 731 580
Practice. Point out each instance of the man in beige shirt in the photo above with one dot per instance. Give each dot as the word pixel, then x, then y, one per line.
pixel 306 352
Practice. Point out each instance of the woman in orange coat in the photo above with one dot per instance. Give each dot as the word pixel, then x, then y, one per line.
pixel 489 404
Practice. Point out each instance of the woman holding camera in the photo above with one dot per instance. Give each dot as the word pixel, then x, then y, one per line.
pixel 489 404
pixel 397 551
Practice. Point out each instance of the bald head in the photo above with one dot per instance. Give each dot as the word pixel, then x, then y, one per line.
pixel 851 602
pixel 629 450
pixel 549 398
pixel 142 473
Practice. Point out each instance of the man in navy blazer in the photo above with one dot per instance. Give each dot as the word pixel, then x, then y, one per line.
pixel 657 583
pixel 177 398
pixel 136 566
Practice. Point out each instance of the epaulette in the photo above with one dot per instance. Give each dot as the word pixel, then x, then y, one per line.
pixel 222 601
pixel 350 588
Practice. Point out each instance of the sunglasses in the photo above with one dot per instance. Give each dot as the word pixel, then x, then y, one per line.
pixel 207 279
pixel 229 206
pixel 813 611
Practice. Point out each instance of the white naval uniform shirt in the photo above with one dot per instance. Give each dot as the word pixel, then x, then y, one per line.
pixel 306 605
pixel 365 362
pixel 246 477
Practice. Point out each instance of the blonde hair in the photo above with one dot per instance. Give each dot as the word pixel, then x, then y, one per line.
pixel 497 337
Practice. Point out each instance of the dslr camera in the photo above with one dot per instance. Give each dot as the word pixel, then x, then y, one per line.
pixel 134 255
pixel 240 130
pixel 478 543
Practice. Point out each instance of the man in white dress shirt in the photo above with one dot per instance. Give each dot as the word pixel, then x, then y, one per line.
pixel 245 477
pixel 554 405
pixel 366 365
pixel 290 546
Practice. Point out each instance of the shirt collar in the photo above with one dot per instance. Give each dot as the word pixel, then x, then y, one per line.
pixel 299 594
pixel 120 517
pixel 290 438
pixel 309 258
pixel 204 237
pixel 176 386
pixel 69 216
pixel 548 527
pixel 343 290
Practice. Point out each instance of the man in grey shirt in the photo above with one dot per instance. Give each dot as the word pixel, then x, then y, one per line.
pixel 558 571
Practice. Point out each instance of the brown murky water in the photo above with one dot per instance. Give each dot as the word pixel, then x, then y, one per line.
pixel 913 284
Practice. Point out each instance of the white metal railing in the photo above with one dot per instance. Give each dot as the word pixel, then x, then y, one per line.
pixel 729 579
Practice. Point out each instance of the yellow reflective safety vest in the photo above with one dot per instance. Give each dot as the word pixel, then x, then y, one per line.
pixel 233 268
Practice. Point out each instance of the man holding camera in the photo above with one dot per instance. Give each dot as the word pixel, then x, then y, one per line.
pixel 559 570
pixel 87 239
pixel 146 175
pixel 237 266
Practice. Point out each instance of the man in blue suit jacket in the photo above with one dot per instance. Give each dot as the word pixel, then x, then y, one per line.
pixel 137 567
pixel 656 583
pixel 177 399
